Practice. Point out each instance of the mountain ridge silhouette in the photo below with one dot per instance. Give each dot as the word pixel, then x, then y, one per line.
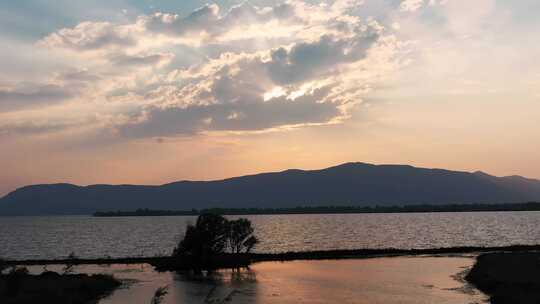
pixel 348 184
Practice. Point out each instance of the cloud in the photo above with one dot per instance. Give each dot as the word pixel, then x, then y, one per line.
pixel 196 22
pixel 411 5
pixel 250 69
pixel 206 20
pixel 125 60
pixel 308 59
pixel 201 26
pixel 32 96
pixel 237 116
pixel 32 128
pixel 237 92
pixel 88 36
pixel 77 75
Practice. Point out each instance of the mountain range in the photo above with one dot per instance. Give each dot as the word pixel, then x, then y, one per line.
pixel 350 184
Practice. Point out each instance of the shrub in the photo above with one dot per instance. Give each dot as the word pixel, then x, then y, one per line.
pixel 208 237
pixel 213 234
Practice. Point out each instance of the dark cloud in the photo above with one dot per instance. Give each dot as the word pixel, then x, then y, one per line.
pixel 308 59
pixel 29 128
pixel 139 60
pixel 78 76
pixel 239 116
pixel 33 96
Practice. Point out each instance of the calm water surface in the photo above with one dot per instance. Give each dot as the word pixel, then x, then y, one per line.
pixel 56 237
pixel 403 280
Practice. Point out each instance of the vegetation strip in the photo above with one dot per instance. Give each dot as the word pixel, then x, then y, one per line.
pixel 291 256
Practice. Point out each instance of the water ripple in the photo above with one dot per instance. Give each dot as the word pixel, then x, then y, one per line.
pixel 90 237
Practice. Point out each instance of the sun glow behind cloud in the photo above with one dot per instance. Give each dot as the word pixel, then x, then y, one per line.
pixel 251 63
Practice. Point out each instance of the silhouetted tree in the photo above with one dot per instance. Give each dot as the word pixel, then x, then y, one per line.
pixel 250 242
pixel 208 237
pixel 212 236
pixel 241 236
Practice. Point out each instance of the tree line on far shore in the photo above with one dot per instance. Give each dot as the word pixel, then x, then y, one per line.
pixel 530 206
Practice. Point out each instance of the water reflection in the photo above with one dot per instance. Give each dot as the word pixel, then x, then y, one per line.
pixel 383 280
pixel 403 280
pixel 215 287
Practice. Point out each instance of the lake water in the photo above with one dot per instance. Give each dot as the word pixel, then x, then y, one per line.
pixel 399 280
pixel 91 237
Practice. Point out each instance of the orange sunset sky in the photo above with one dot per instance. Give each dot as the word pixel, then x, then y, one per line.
pixel 150 92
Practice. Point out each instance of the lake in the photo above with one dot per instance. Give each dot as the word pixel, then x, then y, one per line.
pixel 93 237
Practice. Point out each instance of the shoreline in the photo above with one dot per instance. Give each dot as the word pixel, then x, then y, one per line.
pixel 163 263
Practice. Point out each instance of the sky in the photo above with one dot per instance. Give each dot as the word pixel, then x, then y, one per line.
pixel 150 91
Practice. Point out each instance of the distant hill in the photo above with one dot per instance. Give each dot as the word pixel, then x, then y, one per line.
pixel 350 184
